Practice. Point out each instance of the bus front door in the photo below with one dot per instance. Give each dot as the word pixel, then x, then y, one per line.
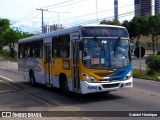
pixel 47 64
pixel 75 67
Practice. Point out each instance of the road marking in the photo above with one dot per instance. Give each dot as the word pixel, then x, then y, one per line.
pixel 6 78
pixel 9 67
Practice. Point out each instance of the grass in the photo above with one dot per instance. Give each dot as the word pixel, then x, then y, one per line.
pixel 6 55
pixel 143 74
pixel 8 58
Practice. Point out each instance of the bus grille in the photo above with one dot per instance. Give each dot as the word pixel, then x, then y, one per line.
pixel 110 85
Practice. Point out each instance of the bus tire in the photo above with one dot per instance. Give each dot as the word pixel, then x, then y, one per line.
pixel 64 85
pixel 32 78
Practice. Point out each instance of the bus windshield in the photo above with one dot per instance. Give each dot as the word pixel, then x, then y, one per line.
pixel 105 53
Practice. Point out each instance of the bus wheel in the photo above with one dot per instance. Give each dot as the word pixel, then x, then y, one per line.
pixel 32 79
pixel 65 88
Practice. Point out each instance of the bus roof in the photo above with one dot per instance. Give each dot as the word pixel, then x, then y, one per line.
pixel 62 31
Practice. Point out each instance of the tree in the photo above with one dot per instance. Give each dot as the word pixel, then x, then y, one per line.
pixel 10 38
pixel 153 30
pixel 4 25
pixel 109 22
pixel 25 34
pixel 127 25
pixel 136 28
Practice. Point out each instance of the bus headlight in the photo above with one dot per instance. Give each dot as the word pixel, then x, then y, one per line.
pixel 128 76
pixel 88 78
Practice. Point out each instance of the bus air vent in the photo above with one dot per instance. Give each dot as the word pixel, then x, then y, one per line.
pixel 110 85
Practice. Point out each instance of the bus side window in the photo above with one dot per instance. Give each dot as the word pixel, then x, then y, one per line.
pixel 54 47
pixel 41 48
pixel 23 50
pixel 20 50
pixel 37 49
pixel 63 46
pixel 26 50
pixel 34 49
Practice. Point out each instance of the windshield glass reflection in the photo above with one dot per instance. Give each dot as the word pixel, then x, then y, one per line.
pixel 106 53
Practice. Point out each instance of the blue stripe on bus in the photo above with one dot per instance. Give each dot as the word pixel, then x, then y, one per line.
pixel 121 73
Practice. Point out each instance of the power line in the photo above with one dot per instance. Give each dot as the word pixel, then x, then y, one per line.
pixel 26 16
pixel 94 20
pixel 68 4
pixel 64 2
pixel 33 17
pixel 58 14
pixel 91 13
pixel 61 4
pixel 110 17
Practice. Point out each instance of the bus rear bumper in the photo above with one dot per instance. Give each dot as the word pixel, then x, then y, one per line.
pixel 87 87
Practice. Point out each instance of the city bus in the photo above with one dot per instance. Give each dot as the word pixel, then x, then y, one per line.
pixel 82 59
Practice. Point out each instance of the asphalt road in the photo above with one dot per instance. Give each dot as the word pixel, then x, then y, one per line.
pixel 21 96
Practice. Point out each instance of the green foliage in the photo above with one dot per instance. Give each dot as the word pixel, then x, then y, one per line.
pixel 143 74
pixel 109 22
pixel 136 28
pixel 9 37
pixel 25 34
pixel 153 29
pixel 144 26
pixel 4 53
pixel 153 63
pixel 4 25
pixel 158 53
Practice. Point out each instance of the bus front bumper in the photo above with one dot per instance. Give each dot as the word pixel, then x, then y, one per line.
pixel 87 87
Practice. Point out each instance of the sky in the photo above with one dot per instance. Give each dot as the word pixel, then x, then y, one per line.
pixel 23 14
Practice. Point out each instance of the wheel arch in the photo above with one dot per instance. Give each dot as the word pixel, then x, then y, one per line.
pixel 62 78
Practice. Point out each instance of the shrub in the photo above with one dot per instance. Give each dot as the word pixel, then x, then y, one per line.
pixel 158 53
pixel 153 63
pixel 5 53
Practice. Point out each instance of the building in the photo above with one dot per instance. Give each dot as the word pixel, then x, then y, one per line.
pixel 157 6
pixel 143 7
pixel 137 7
pixel 50 28
pixel 146 8
pixel 116 9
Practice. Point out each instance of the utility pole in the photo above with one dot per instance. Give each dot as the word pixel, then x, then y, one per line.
pixel 42 17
